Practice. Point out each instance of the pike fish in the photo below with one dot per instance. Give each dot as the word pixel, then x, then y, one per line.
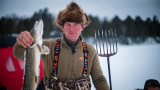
pixel 32 57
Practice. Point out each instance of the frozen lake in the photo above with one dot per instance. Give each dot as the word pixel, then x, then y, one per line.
pixel 132 66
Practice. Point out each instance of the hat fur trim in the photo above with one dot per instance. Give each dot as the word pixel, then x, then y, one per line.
pixel 72 13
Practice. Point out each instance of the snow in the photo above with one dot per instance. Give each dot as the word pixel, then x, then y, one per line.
pixel 132 66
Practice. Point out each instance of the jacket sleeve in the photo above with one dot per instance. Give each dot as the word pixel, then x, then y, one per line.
pixel 18 51
pixel 98 78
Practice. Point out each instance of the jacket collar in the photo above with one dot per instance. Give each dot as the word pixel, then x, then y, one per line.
pixel 79 43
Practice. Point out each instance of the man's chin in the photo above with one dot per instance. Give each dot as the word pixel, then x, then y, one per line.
pixel 73 39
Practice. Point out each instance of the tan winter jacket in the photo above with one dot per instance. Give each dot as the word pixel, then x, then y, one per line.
pixel 70 66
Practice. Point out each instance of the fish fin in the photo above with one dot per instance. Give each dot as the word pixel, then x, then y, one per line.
pixel 43 49
pixel 40 48
pixel 36 81
pixel 34 45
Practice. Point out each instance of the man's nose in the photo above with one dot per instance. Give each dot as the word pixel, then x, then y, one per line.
pixel 72 28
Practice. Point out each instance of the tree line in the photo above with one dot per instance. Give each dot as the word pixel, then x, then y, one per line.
pixel 137 30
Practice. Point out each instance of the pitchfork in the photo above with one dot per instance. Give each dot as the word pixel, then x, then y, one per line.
pixel 107 44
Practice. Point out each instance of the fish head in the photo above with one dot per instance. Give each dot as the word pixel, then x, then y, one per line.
pixel 37 31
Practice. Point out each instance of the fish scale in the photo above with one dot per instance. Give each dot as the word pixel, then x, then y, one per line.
pixel 30 69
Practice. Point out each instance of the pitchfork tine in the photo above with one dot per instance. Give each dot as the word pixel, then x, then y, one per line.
pixel 113 41
pixel 103 37
pixel 110 40
pixel 99 41
pixel 96 41
pixel 106 41
pixel 116 41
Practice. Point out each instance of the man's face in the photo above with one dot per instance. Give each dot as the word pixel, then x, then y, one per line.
pixel 72 31
pixel 153 88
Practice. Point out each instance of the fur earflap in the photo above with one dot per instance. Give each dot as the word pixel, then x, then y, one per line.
pixel 72 13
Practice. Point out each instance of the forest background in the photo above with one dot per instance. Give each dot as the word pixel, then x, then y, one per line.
pixel 129 31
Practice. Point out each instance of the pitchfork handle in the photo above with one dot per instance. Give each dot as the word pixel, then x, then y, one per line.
pixel 109 72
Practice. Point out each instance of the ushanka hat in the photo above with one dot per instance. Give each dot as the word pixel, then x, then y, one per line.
pixel 72 13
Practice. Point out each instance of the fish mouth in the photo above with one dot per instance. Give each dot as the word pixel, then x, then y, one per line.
pixel 39 24
pixel 38 27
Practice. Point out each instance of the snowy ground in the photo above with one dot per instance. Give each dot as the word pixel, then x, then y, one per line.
pixel 132 66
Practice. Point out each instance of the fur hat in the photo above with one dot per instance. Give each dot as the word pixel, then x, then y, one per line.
pixel 72 13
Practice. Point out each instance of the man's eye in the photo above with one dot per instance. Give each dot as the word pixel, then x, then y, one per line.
pixel 76 25
pixel 67 24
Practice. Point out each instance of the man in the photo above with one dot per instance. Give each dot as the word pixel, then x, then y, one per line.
pixel 74 64
pixel 151 84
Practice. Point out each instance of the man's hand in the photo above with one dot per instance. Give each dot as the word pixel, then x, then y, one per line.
pixel 25 39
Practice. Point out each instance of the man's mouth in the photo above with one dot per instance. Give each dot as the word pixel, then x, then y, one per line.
pixel 72 33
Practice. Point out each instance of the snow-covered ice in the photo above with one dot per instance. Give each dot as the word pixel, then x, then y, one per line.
pixel 132 66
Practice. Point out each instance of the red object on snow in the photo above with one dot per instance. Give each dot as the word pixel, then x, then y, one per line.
pixel 12 69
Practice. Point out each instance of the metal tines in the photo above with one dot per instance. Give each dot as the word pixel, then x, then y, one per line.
pixel 106 46
pixel 106 42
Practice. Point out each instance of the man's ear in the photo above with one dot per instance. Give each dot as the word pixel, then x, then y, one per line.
pixel 62 28
pixel 82 27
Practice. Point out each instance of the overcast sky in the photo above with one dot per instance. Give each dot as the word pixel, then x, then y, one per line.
pixel 101 8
